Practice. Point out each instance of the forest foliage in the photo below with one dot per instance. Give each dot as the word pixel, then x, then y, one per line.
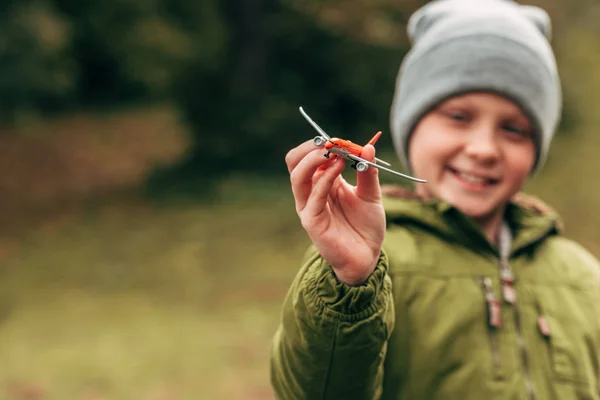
pixel 239 69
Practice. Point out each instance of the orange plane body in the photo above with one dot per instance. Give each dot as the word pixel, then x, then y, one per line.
pixel 348 146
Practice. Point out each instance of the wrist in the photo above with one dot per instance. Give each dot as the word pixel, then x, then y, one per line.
pixel 354 278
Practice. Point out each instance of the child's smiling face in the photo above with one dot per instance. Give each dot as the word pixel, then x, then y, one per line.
pixel 475 151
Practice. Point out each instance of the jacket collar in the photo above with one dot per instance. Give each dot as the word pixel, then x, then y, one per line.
pixel 531 220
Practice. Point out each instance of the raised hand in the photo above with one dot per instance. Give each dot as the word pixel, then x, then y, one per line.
pixel 346 223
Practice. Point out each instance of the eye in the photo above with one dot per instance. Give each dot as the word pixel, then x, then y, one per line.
pixel 457 116
pixel 516 130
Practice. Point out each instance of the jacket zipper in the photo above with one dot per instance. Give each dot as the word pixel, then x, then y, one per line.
pixel 510 296
pixel 494 319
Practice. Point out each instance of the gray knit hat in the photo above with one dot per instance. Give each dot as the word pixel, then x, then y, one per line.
pixel 461 46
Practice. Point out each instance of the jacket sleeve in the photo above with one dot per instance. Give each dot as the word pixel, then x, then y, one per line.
pixel 332 339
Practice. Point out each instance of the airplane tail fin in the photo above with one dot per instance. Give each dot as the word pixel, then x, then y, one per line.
pixel 375 138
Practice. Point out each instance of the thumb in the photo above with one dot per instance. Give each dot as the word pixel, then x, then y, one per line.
pixel 367 182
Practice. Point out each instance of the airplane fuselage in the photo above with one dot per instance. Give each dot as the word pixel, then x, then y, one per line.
pixel 344 145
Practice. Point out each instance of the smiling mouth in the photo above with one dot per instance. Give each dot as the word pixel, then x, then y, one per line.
pixel 473 179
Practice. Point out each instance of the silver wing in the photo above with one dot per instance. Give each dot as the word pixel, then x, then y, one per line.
pixel 314 124
pixel 353 157
pixel 387 164
pixel 369 163
pixel 326 136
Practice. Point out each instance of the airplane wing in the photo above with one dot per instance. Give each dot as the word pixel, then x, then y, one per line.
pixel 387 164
pixel 314 124
pixel 358 159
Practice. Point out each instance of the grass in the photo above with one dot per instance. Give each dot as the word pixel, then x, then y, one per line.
pixel 104 295
pixel 129 301
pixel 130 347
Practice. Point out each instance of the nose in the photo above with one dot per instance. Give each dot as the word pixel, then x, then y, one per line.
pixel 482 145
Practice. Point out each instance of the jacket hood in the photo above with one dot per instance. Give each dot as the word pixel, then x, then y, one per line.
pixel 531 220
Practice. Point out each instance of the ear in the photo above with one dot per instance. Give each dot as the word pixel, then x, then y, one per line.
pixel 425 17
pixel 540 18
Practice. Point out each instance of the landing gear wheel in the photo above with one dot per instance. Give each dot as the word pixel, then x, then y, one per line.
pixel 361 166
pixel 318 141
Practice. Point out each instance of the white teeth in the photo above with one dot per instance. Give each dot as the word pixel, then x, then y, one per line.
pixel 471 178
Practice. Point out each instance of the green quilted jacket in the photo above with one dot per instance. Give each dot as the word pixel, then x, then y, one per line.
pixel 444 316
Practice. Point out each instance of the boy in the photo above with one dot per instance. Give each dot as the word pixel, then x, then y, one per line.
pixel 462 289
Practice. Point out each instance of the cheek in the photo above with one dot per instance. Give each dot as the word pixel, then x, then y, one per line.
pixel 427 153
pixel 416 154
pixel 520 161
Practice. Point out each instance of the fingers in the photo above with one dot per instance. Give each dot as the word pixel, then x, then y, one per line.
pixel 317 200
pixel 294 156
pixel 302 176
pixel 367 182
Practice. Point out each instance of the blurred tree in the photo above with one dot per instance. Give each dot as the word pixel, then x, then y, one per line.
pixel 238 69
pixel 243 105
pixel 60 55
pixel 36 70
pixel 125 50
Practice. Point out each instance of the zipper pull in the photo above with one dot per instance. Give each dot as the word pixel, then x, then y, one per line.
pixel 494 310
pixel 543 326
pixel 508 290
pixel 542 322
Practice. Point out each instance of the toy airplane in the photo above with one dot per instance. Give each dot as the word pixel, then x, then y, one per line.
pixel 351 151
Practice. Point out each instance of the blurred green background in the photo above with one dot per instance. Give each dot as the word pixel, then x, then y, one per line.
pixel 147 229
